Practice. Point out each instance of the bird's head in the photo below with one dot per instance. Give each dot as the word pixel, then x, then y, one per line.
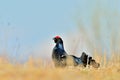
pixel 57 39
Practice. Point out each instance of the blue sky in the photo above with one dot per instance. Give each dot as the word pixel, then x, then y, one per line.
pixel 35 20
pixel 27 24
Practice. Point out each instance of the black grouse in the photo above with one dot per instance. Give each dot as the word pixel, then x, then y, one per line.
pixel 62 59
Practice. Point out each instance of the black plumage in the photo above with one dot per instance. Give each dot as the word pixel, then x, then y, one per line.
pixel 62 59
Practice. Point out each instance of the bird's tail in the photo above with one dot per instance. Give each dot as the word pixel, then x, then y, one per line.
pixel 88 60
pixel 84 58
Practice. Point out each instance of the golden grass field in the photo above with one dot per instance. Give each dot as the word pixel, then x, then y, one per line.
pixel 39 70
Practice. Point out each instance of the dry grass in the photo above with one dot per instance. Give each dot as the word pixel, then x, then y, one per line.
pixel 38 70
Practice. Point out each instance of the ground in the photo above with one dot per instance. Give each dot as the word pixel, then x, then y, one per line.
pixel 40 70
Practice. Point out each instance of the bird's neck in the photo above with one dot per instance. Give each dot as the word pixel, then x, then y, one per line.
pixel 60 46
